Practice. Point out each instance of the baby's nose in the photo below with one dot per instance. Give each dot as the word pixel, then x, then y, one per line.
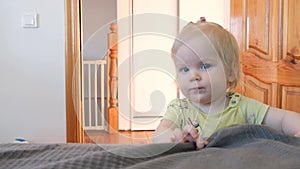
pixel 195 76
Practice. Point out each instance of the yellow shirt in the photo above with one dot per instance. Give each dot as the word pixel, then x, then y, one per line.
pixel 241 110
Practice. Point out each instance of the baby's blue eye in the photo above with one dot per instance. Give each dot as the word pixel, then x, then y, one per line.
pixel 205 66
pixel 185 69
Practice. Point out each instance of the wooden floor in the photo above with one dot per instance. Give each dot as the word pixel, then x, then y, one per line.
pixel 122 137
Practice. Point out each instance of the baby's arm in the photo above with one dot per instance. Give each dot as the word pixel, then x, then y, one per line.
pixel 164 131
pixel 283 120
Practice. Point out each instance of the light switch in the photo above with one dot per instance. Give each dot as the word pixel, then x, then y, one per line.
pixel 29 20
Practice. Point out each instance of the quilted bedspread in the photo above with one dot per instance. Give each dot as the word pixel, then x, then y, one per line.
pixel 247 146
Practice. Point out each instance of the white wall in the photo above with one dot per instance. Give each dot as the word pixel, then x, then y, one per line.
pixel 96 18
pixel 213 10
pixel 32 72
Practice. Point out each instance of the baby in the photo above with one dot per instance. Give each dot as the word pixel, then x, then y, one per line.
pixel 206 58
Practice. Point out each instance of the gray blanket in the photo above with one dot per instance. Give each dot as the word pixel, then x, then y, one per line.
pixel 248 146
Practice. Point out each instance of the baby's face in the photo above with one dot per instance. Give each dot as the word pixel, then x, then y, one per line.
pixel 200 72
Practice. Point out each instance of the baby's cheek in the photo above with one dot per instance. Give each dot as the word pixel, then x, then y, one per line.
pixel 182 84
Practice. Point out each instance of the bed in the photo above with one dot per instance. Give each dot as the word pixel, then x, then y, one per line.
pixel 246 146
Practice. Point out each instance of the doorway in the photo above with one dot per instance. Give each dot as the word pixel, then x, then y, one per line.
pixel 96 17
pixel 79 46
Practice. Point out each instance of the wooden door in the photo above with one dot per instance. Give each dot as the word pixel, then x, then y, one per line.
pixel 289 74
pixel 268 35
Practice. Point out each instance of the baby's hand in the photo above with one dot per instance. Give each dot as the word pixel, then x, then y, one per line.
pixel 189 134
pixel 201 142
pixel 297 134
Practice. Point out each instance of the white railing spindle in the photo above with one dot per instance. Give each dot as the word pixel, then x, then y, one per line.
pixel 93 80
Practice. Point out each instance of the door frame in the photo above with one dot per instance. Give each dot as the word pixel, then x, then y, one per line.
pixel 74 129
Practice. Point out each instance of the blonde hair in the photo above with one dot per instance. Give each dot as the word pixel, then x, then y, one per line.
pixel 223 42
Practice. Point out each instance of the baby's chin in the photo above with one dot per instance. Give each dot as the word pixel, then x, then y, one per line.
pixel 199 99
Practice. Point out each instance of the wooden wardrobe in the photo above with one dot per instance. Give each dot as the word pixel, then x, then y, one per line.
pixel 268 33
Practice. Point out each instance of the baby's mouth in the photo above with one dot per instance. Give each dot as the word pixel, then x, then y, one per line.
pixel 197 89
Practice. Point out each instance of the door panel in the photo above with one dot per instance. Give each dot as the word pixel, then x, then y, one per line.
pixel 293 30
pixel 237 25
pixel 290 98
pixel 258 90
pixel 263 28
